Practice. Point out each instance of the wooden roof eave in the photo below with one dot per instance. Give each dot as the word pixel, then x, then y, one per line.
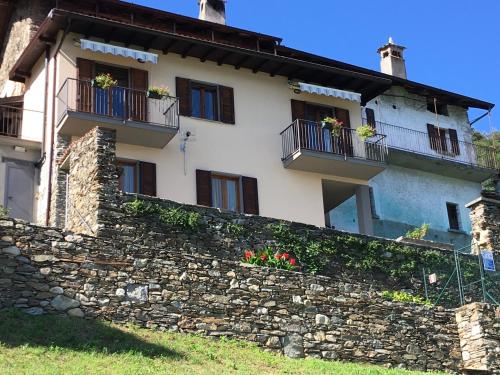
pixel 251 59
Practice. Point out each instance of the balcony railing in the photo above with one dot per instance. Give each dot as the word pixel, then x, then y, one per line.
pixel 119 103
pixel 442 147
pixel 11 119
pixel 310 136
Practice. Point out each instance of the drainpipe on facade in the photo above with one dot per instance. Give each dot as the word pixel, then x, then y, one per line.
pixel 40 162
pixel 53 122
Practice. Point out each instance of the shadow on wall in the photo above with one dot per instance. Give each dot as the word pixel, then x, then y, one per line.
pixel 74 334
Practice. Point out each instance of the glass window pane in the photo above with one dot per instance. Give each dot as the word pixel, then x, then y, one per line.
pixel 210 105
pixel 232 196
pixel 217 193
pixel 196 102
pixel 128 179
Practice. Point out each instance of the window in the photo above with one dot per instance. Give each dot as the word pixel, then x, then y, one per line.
pixel 234 193
pixel 372 204
pixel 127 172
pixel 453 216
pixel 137 177
pixel 442 109
pixel 444 141
pixel 226 193
pixel 204 102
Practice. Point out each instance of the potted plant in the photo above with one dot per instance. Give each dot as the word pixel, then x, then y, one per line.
pixel 155 92
pixel 365 131
pixel 332 124
pixel 104 81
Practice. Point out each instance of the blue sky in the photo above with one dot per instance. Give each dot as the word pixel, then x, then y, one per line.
pixel 452 44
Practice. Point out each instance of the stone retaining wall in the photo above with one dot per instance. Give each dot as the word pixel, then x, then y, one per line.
pixel 49 271
pixel 95 203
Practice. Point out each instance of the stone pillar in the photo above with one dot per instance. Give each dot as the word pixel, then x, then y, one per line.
pixel 485 219
pixel 364 209
pixel 479 333
pixel 58 195
pixel 93 181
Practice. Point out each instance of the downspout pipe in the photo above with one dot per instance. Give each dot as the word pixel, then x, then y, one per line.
pixel 53 124
pixel 43 153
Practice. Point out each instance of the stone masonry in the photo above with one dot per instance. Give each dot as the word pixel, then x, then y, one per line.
pixel 24 23
pixel 139 270
pixel 95 208
pixel 45 270
pixel 93 180
pixel 59 182
pixel 485 218
pixel 479 332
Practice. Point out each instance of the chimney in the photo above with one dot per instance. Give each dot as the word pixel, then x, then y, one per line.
pixel 392 59
pixel 213 11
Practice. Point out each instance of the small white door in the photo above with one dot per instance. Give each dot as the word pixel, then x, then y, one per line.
pixel 19 191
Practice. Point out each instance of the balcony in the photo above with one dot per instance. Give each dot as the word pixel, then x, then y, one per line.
pixel 137 119
pixel 11 119
pixel 309 147
pixel 438 154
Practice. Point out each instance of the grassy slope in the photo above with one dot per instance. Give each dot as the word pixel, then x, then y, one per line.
pixel 55 345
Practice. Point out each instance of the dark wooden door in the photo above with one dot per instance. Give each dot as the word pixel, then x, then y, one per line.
pixel 345 140
pixel 112 102
pixel 138 101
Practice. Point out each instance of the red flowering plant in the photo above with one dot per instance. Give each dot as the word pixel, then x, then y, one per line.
pixel 270 257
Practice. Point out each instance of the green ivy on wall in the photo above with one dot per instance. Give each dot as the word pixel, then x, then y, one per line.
pixel 176 217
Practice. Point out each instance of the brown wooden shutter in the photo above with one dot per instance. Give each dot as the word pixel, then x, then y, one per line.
pixel 433 136
pixel 137 100
pixel 250 195
pixel 183 92
pixel 226 98
pixel 84 90
pixel 299 113
pixel 370 117
pixel 298 110
pixel 204 188
pixel 147 178
pixel 455 145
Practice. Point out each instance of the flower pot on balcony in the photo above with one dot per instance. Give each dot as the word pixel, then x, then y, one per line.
pixel 104 81
pixel 155 95
pixel 326 125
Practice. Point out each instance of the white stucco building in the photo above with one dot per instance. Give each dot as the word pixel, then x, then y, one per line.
pixel 242 128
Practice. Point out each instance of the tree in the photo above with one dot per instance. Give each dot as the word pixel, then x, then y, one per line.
pixel 491 140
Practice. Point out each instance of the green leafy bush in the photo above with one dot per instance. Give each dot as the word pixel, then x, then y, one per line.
pixel 176 217
pixel 4 212
pixel 313 255
pixel 236 230
pixel 365 131
pixel 400 296
pixel 418 233
pixel 104 81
